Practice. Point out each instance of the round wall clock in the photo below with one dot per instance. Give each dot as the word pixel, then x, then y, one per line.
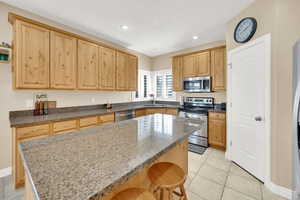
pixel 245 30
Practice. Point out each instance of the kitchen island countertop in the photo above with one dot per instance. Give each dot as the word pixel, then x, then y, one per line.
pixel 90 163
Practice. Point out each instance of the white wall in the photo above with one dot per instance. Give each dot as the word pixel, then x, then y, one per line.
pixel 16 99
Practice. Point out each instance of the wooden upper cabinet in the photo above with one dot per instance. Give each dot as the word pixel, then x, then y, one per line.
pixel 88 60
pixel 63 61
pixel 177 74
pixel 202 63
pixel 107 68
pixel 46 57
pixel 218 69
pixel 189 66
pixel 31 56
pixel 132 74
pixel 121 72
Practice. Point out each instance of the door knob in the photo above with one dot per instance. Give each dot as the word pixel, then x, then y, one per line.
pixel 258 119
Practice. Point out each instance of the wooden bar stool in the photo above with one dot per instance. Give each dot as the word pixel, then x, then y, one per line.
pixel 134 194
pixel 167 177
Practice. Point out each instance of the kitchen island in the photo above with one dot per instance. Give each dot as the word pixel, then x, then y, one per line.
pixel 98 162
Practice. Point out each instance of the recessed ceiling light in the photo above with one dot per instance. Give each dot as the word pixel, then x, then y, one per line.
pixel 124 27
pixel 195 37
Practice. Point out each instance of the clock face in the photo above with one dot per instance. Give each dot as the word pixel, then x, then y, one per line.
pixel 245 30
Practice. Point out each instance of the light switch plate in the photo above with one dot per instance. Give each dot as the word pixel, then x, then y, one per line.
pixel 93 100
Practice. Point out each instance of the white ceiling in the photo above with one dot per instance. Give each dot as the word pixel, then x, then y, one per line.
pixel 155 26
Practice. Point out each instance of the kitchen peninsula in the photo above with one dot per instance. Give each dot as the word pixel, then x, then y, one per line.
pixel 96 163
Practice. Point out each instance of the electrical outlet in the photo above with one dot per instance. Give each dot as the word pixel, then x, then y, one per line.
pixel 93 100
pixel 29 103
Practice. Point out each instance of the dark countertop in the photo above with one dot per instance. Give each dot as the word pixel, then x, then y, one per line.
pixel 18 121
pixel 88 164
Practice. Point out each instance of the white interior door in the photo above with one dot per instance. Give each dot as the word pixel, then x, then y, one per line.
pixel 247 120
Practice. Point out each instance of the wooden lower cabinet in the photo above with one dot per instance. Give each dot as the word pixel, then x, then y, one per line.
pixel 24 134
pixel 150 111
pixel 140 113
pixel 86 122
pixel 171 111
pixel 64 126
pixel 217 130
pixel 28 133
pixel 107 119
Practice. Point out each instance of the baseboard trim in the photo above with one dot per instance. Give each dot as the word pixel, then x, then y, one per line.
pixel 5 172
pixel 279 190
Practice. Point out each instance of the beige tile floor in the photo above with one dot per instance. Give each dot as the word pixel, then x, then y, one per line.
pixel 211 177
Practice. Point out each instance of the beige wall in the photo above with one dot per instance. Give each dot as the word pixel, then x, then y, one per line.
pixel 281 19
pixel 16 99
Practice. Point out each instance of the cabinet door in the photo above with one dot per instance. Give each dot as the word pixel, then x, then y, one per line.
pixel 151 111
pixel 177 74
pixel 202 62
pixel 121 74
pixel 63 61
pixel 132 73
pixel 217 132
pixel 189 68
pixel 218 69
pixel 87 65
pixel 21 135
pixel 140 112
pixel 107 69
pixel 32 56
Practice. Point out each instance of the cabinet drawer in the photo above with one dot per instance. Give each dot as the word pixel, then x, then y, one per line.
pixel 151 111
pixel 171 111
pixel 140 112
pixel 107 118
pixel 88 121
pixel 217 115
pixel 33 131
pixel 64 126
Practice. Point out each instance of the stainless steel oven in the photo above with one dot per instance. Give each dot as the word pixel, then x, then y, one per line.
pixel 196 108
pixel 197 84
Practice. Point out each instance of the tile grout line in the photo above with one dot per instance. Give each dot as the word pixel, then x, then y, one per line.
pixel 225 182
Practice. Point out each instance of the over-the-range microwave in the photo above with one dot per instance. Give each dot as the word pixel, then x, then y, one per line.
pixel 197 84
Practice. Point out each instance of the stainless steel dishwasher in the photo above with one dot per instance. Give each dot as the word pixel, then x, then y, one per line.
pixel 124 115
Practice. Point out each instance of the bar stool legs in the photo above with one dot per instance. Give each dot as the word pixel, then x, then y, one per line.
pixel 167 177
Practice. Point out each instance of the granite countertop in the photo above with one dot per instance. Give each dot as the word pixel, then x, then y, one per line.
pixel 88 164
pixel 18 121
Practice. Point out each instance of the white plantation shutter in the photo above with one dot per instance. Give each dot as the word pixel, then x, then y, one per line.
pixel 159 86
pixel 145 86
pixel 169 85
